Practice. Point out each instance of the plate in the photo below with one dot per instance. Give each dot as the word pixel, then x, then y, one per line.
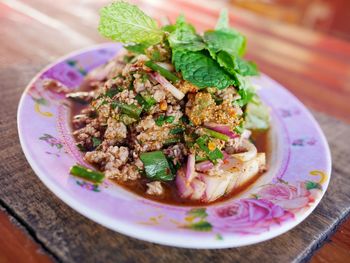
pixel 298 175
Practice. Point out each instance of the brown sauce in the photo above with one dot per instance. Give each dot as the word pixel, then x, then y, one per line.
pixel 171 196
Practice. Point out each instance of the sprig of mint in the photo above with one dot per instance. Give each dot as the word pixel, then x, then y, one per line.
pixel 211 60
pixel 126 23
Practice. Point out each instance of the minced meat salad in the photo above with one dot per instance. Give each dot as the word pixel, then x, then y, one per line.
pixel 173 114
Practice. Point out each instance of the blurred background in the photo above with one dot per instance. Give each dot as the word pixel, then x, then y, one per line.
pixel 329 16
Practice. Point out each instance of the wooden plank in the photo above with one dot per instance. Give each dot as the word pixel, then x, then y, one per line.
pixel 337 248
pixel 16 246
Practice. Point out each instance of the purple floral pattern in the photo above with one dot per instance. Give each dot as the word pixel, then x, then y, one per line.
pixel 88 186
pixel 65 73
pixel 248 216
pixel 286 113
pixel 304 142
pixel 53 142
pixel 271 206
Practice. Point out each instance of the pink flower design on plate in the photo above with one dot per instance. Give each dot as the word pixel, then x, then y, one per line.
pixel 248 216
pixel 64 74
pixel 287 196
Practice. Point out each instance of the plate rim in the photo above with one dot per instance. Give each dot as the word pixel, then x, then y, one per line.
pixel 150 235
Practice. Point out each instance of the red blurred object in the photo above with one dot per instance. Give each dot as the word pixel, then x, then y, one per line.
pixel 329 16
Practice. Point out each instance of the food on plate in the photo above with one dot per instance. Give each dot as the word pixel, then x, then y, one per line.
pixel 171 117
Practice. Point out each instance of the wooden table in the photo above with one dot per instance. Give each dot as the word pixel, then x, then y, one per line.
pixel 33 33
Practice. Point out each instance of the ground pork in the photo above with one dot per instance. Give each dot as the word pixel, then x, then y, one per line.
pixel 84 135
pixel 155 188
pixel 115 132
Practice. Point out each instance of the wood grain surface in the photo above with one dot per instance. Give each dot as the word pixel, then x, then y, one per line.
pixel 33 33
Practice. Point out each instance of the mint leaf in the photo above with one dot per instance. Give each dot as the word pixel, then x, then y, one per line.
pixel 223 21
pixel 137 48
pixel 227 40
pixel 257 116
pixel 200 69
pixel 121 21
pixel 184 36
pixel 236 65
pixel 247 96
pixel 245 68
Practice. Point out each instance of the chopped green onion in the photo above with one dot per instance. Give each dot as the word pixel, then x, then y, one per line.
pixel 156 166
pixel 126 119
pixel 176 130
pixel 131 84
pixel 185 119
pixel 216 134
pixel 216 154
pixel 162 119
pixel 169 119
pixel 113 91
pixel 131 110
pixel 172 141
pixel 239 129
pixel 144 78
pixel 86 173
pixel 162 71
pixel 200 159
pixel 145 100
pixel 202 142
pixel 156 55
pixel 96 141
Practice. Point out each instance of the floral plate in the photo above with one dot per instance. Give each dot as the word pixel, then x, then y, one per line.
pixel 298 175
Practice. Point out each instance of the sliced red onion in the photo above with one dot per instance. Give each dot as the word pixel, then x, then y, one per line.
pixel 190 168
pixel 226 155
pixel 168 86
pixel 185 190
pixel 246 134
pixel 224 129
pixel 204 166
pixel 198 189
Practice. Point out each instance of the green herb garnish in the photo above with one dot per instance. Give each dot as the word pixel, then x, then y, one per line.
pixel 162 71
pixel 131 110
pixel 164 119
pixel 113 91
pixel 96 142
pixel 145 100
pixel 176 130
pixel 202 142
pixel 172 140
pixel 216 134
pixel 156 166
pixel 126 23
pixel 87 173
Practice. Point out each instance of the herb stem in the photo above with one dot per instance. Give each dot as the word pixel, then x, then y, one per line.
pixel 162 71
